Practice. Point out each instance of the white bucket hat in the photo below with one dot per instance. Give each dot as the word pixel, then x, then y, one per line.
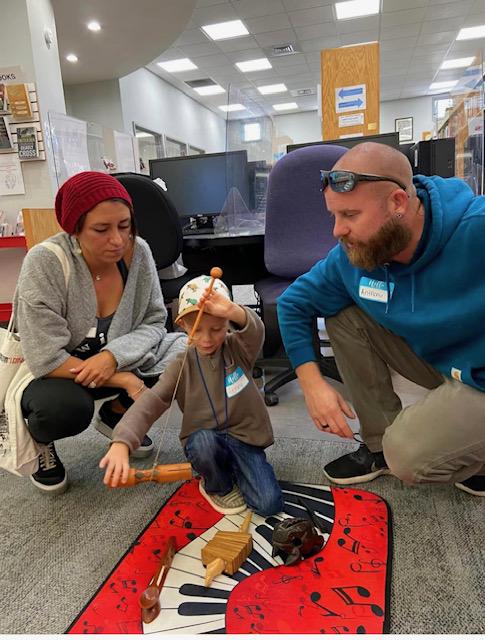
pixel 192 291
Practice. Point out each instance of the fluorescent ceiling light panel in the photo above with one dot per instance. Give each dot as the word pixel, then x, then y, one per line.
pixel 232 107
pixel 210 90
pixel 225 30
pixel 285 106
pixel 449 84
pixel 94 25
pixel 457 63
pixel 71 57
pixel 143 134
pixel 272 88
pixel 356 9
pixel 254 65
pixel 470 33
pixel 358 44
pixel 252 132
pixel 181 64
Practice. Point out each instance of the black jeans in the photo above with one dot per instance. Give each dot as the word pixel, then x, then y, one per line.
pixel 58 408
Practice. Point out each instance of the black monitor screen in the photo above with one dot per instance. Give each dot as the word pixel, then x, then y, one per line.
pixel 391 139
pixel 199 185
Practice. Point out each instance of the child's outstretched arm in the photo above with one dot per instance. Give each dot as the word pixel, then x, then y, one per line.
pixel 116 463
pixel 219 305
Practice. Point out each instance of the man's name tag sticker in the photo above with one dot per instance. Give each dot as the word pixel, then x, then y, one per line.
pixel 235 382
pixel 377 290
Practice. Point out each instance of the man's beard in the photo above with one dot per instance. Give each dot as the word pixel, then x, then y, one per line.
pixel 392 238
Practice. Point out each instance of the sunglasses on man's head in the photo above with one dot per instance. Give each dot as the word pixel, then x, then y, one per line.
pixel 343 181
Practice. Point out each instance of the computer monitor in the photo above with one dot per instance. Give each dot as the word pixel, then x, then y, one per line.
pixel 391 139
pixel 200 184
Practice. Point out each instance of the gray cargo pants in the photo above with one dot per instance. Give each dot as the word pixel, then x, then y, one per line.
pixel 440 438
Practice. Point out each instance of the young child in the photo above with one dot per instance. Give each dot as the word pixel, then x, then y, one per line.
pixel 225 426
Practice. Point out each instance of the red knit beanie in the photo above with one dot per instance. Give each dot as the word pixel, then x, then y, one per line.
pixel 83 192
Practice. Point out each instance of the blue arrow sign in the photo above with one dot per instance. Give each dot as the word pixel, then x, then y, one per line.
pixel 348 105
pixel 346 93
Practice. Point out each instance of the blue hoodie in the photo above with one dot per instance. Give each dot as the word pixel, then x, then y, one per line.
pixel 436 302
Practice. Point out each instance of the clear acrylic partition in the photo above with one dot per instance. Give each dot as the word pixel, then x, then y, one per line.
pixel 250 156
pixel 86 146
pixel 460 115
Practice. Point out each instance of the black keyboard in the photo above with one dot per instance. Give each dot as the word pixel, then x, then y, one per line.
pixel 189 231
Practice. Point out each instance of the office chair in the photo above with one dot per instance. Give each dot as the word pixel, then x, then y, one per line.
pixel 298 233
pixel 158 223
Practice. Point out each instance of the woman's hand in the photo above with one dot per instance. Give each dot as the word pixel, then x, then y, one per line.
pixel 96 370
pixel 117 465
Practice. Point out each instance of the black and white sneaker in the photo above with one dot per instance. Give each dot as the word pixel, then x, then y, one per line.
pixel 107 421
pixel 474 486
pixel 359 466
pixel 51 476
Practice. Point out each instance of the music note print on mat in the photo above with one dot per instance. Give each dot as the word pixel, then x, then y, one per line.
pixel 374 566
pixel 352 544
pixel 315 597
pixel 362 592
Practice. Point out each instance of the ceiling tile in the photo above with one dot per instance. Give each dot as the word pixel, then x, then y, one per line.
pixel 315 31
pixel 442 26
pixel 257 8
pixel 397 43
pixel 293 5
pixel 475 19
pixel 445 38
pixel 311 16
pixel 359 37
pixel 402 17
pixel 293 60
pixel 214 61
pixel 238 44
pixel 359 24
pixel 246 54
pixel 190 36
pixel 273 38
pixel 430 52
pixel 208 3
pixel 448 10
pixel 203 49
pixel 400 31
pixel 268 23
pixel 397 5
pixel 317 44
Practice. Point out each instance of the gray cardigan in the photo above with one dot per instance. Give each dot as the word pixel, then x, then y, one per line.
pixel 53 320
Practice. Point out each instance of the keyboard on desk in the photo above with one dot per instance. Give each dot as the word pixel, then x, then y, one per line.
pixel 197 231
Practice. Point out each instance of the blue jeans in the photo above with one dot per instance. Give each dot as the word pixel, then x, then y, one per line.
pixel 223 460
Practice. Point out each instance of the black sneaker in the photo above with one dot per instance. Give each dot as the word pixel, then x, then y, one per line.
pixel 474 485
pixel 107 421
pixel 359 466
pixel 51 476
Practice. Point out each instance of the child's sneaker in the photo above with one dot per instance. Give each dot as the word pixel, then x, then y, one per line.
pixel 230 504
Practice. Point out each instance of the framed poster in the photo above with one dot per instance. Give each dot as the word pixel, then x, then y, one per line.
pixel 404 126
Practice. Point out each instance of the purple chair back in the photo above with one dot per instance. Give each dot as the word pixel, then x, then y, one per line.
pixel 298 227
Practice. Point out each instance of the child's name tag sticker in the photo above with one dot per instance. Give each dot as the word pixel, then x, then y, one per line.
pixel 370 289
pixel 235 382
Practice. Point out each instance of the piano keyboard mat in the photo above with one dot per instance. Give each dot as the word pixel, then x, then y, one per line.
pixel 342 589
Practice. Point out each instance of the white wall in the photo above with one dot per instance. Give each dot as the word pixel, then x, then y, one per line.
pixel 420 109
pixel 154 104
pixel 98 102
pixel 299 127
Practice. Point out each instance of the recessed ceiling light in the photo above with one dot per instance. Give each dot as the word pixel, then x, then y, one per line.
pixel 210 90
pixel 470 33
pixel 254 65
pixel 358 44
pixel 442 86
pixel 71 57
pixel 94 25
pixel 224 30
pixel 356 9
pixel 457 63
pixel 232 107
pixel 181 64
pixel 285 106
pixel 143 134
pixel 272 88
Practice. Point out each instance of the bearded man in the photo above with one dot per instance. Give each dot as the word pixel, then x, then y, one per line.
pixel 404 289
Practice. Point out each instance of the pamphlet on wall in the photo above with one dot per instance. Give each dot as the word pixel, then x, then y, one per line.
pixel 5 137
pixel 27 143
pixel 11 178
pixel 3 99
pixel 19 101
